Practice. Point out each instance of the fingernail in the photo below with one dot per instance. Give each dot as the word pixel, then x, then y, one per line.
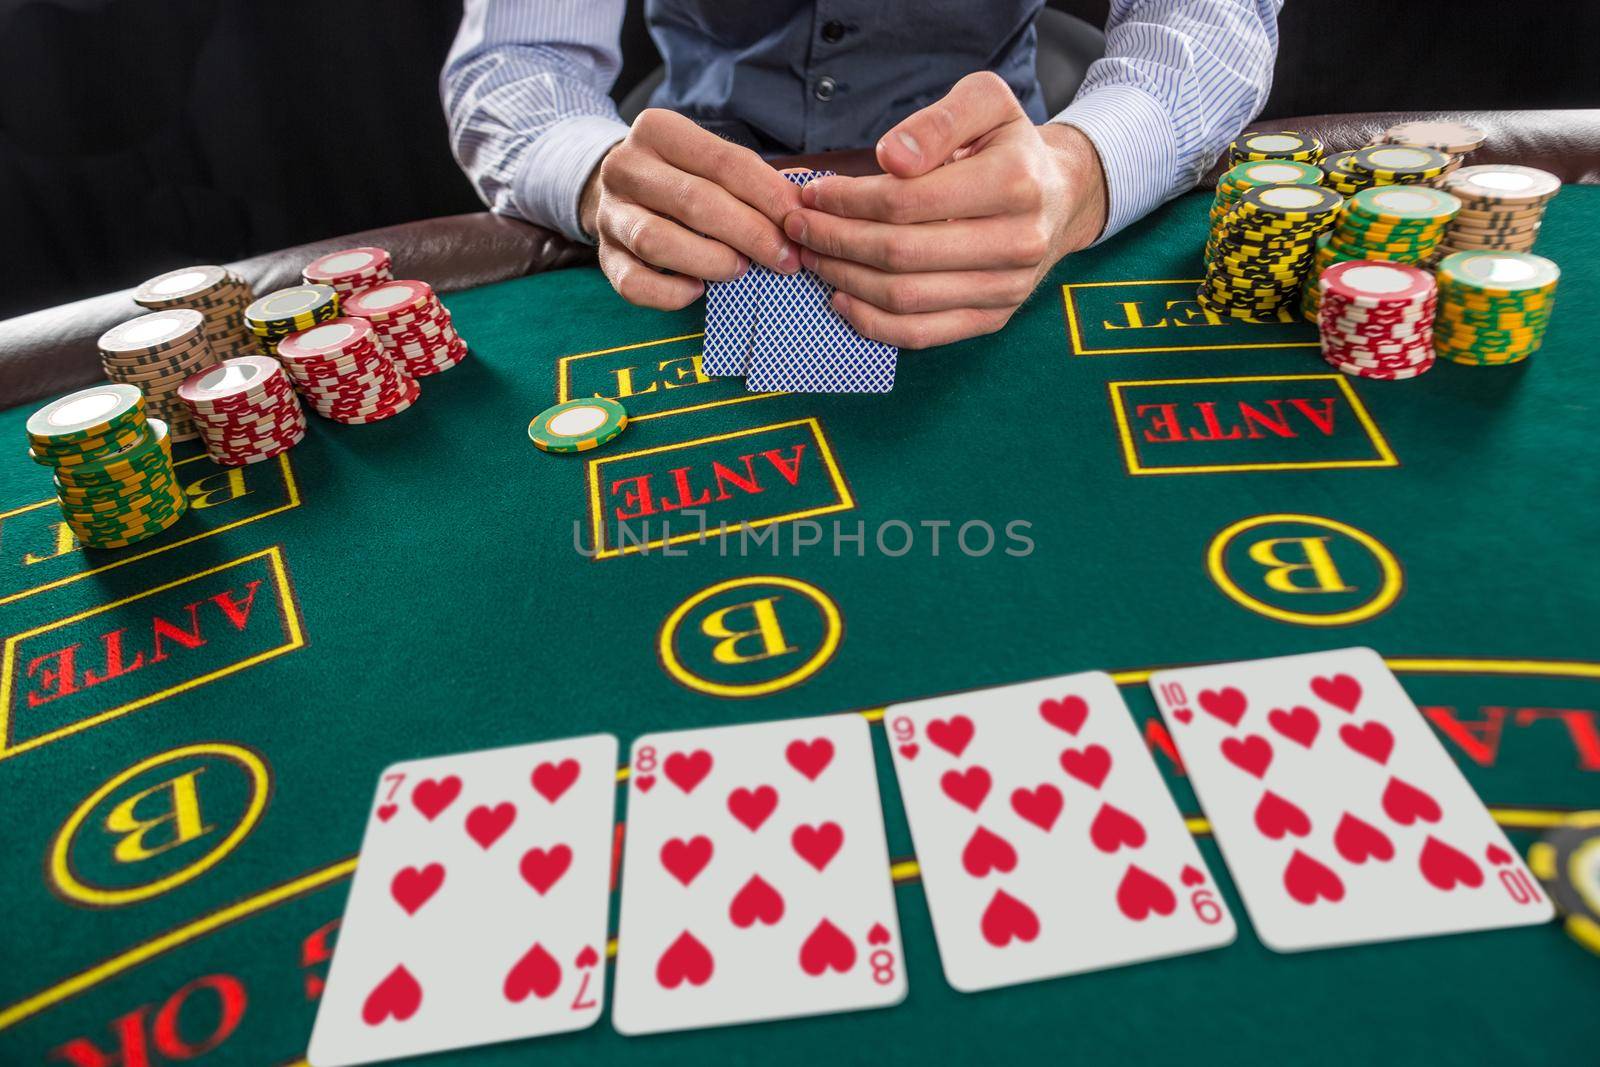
pixel 840 302
pixel 808 259
pixel 789 258
pixel 808 195
pixel 795 226
pixel 744 265
pixel 911 143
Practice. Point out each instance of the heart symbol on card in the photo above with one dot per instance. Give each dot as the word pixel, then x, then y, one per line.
pixel 1298 724
pixel 1359 841
pixel 1446 867
pixel 878 935
pixel 986 851
pixel 1226 704
pixel 1373 740
pixel 687 770
pixel 1007 919
pixel 910 750
pixel 1341 690
pixel 952 734
pixel 1251 754
pixel 432 796
pixel 810 758
pixel 1066 714
pixel 1405 803
pixel 543 868
pixel 486 824
pixel 686 859
pixel 1190 876
pixel 817 845
pixel 1088 765
pixel 826 948
pixel 685 960
pixel 644 782
pixel 756 902
pixel 967 788
pixel 1497 855
pixel 753 806
pixel 398 997
pixel 386 811
pixel 1141 893
pixel 1276 816
pixel 551 780
pixel 1183 715
pixel 1309 880
pixel 587 958
pixel 1113 828
pixel 413 887
pixel 537 972
pixel 1041 806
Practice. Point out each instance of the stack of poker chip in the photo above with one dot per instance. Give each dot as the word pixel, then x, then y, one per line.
pixel 113 465
pixel 1245 176
pixel 342 371
pixel 1502 207
pixel 218 294
pixel 1566 861
pixel 1397 164
pixel 245 409
pixel 1455 139
pixel 1395 223
pixel 1258 255
pixel 1376 319
pixel 1279 144
pixel 413 326
pixel 277 315
pixel 1493 306
pixel 1341 175
pixel 155 353
pixel 349 271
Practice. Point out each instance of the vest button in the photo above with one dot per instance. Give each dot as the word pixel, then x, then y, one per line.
pixel 825 89
pixel 832 31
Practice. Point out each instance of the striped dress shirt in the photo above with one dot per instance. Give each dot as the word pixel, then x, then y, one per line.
pixel 526 85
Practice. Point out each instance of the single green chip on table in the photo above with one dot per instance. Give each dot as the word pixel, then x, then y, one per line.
pixel 578 425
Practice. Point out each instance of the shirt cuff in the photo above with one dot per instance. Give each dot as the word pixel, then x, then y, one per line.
pixel 1133 135
pixel 555 167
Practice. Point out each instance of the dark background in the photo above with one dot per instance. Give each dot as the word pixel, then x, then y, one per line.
pixel 141 135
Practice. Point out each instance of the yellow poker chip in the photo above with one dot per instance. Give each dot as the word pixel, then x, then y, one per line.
pixel 578 425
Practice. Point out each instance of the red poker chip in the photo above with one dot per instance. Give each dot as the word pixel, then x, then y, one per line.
pixel 327 339
pixel 1404 344
pixel 391 301
pixel 348 265
pixel 1385 375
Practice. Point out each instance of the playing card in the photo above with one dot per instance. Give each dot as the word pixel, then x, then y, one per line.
pixel 731 310
pixel 1336 808
pixel 801 344
pixel 1047 841
pixel 755 878
pixel 478 909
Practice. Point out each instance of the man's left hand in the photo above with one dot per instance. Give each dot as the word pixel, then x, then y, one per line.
pixel 975 206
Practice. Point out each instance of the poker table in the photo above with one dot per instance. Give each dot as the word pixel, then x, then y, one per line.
pixel 193 728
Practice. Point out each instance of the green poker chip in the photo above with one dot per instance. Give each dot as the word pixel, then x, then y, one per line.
pixel 578 425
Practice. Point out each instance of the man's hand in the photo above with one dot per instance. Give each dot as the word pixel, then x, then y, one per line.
pixel 673 197
pixel 976 204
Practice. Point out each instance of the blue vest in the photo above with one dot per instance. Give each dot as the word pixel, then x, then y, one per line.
pixel 812 75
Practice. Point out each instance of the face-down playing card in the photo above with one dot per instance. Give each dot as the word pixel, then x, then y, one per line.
pixel 1341 817
pixel 801 343
pixel 731 311
pixel 479 904
pixel 755 878
pixel 1047 841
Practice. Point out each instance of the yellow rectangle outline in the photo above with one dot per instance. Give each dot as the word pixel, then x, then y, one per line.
pixel 1077 340
pixel 564 383
pixel 1386 456
pixel 846 500
pixel 293 502
pixel 904 870
pixel 291 618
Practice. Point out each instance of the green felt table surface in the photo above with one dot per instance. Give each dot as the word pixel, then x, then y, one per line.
pixel 415 587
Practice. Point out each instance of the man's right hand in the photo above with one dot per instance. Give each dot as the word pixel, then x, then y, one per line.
pixel 672 197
